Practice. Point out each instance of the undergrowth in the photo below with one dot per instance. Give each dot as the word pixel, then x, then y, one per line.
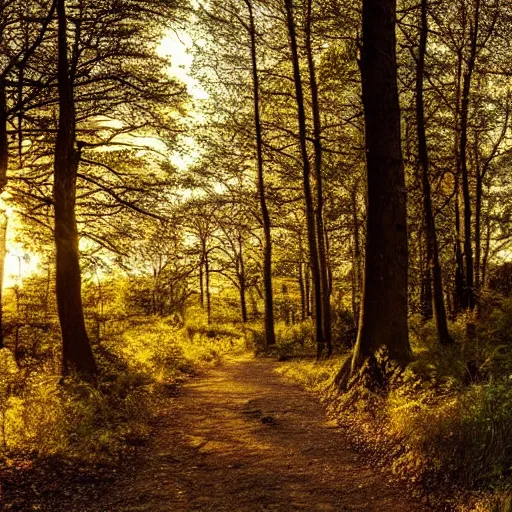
pixel 292 340
pixel 445 422
pixel 42 415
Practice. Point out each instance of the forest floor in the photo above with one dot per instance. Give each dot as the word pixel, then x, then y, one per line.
pixel 240 438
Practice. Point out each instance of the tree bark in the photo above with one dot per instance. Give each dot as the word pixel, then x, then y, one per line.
pixel 302 291
pixel 384 306
pixel 464 115
pixel 307 283
pixel 201 281
pixel 270 336
pixel 459 299
pixel 459 291
pixel 356 260
pixel 4 163
pixel 478 229
pixel 426 297
pixel 434 267
pixel 308 196
pixel 243 303
pixel 487 248
pixel 4 222
pixel 319 213
pixel 208 295
pixel 305 278
pixel 4 143
pixel 77 353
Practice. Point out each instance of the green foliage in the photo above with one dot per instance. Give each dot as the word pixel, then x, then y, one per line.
pixel 41 416
pixel 197 326
pixel 32 413
pixel 297 339
pixel 445 421
pixel 292 340
pixel 255 338
pixel 343 330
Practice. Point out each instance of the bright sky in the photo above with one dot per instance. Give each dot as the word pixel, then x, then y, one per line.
pixel 20 263
pixel 175 46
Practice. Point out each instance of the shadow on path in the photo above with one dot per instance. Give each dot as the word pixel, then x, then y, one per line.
pixel 242 439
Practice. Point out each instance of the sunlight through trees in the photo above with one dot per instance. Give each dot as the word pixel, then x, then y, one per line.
pixel 302 179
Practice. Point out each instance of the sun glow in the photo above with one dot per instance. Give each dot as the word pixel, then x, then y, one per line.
pixel 19 261
pixel 175 46
pixel 19 264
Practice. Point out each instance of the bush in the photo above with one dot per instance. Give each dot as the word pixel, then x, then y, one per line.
pixel 295 340
pixel 42 416
pixel 292 340
pixel 344 332
pixel 445 421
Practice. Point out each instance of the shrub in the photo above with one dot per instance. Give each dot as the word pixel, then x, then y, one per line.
pixel 445 421
pixel 292 340
pixel 42 416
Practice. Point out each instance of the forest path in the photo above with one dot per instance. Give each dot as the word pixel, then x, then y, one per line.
pixel 240 438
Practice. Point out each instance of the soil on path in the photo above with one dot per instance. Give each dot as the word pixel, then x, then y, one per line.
pixel 240 438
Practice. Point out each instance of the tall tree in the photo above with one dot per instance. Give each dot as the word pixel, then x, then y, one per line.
pixel 432 247
pixel 317 142
pixel 267 247
pixel 464 119
pixel 384 306
pixel 306 178
pixel 77 352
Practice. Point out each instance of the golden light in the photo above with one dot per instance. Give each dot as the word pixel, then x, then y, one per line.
pixel 176 46
pixel 19 262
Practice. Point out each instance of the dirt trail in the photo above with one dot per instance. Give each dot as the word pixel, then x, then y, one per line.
pixel 242 439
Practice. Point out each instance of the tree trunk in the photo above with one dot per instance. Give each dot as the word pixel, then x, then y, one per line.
pixel 4 143
pixel 310 214
pixel 304 269
pixel 487 248
pixel 302 291
pixel 384 306
pixel 328 265
pixel 426 298
pixel 459 296
pixel 77 353
pixel 4 162
pixel 201 281
pixel 464 115
pixel 46 300
pixel 356 260
pixel 267 248
pixel 317 143
pixel 478 230
pixel 433 265
pixel 459 291
pixel 21 80
pixel 208 296
pixel 243 303
pixel 307 283
pixel 4 222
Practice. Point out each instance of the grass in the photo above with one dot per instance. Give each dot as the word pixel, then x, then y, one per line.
pixel 444 423
pixel 42 416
